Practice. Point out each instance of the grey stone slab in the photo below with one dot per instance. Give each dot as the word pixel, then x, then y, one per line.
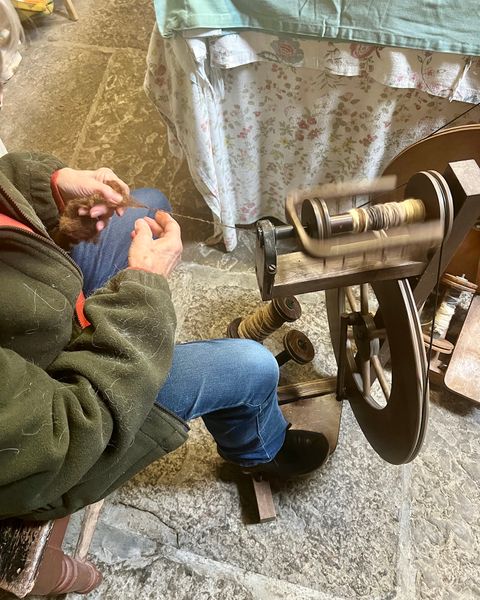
pixel 180 283
pixel 179 575
pixel 446 506
pixel 47 101
pixel 196 233
pixel 124 131
pixel 113 24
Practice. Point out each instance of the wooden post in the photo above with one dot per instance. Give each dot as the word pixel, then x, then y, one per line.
pixel 89 522
pixel 463 178
pixel 264 499
pixel 72 13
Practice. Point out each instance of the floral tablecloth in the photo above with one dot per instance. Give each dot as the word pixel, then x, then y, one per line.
pixel 256 114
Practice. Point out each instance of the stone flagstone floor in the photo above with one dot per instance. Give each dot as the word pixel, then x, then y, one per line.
pixel 184 528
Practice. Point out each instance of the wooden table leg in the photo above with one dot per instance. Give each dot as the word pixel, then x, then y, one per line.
pixel 72 13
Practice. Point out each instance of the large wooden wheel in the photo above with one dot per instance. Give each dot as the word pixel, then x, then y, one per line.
pixel 434 153
pixel 390 404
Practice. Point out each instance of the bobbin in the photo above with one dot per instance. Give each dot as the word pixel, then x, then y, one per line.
pixel 368 230
pixel 297 347
pixel 320 224
pixel 458 284
pixel 282 310
pixel 429 186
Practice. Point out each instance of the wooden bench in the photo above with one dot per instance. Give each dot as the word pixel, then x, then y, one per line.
pixel 32 560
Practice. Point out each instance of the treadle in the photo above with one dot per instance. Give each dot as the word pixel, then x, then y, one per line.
pixel 264 499
pixel 320 414
pixel 462 372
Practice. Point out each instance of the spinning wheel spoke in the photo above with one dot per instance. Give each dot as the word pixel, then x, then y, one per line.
pixel 380 373
pixel 351 299
pixel 364 343
pixel 366 377
pixel 364 298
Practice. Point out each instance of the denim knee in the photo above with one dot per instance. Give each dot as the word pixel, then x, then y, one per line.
pixel 260 364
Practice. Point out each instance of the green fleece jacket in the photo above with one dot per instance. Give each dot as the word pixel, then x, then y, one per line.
pixel 76 405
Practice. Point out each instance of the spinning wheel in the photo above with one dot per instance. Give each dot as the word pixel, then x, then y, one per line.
pixel 377 265
pixel 366 260
pixel 379 324
pixel 393 417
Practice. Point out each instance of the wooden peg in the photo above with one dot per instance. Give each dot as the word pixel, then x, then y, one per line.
pixel 264 498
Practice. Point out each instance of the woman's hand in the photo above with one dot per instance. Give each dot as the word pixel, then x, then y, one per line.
pixel 83 217
pixel 156 244
pixel 72 183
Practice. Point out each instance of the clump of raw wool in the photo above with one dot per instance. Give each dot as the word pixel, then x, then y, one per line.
pixel 74 228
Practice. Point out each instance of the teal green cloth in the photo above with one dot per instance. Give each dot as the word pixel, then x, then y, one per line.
pixel 437 25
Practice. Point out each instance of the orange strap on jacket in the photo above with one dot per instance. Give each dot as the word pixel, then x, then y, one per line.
pixel 6 221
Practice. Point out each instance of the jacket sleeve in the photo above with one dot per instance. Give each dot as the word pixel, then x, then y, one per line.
pixel 80 416
pixel 30 174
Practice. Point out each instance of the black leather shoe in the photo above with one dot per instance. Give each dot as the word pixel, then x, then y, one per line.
pixel 302 452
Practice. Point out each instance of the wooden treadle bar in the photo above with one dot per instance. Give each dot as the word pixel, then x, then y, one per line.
pixel 307 389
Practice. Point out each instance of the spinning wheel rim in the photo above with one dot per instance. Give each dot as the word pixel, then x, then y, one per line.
pixel 396 431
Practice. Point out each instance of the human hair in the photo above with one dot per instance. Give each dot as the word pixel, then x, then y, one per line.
pixel 11 34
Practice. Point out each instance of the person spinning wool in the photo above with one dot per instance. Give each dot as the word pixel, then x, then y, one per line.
pixel 93 391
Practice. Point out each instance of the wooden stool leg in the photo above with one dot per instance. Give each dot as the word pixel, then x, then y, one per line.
pixel 72 13
pixel 61 574
pixel 89 522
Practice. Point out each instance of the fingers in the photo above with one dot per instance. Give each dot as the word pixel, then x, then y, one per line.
pixel 142 230
pixel 73 183
pixel 167 223
pixel 167 228
pixel 108 193
pixel 155 228
pixel 124 187
pixel 105 174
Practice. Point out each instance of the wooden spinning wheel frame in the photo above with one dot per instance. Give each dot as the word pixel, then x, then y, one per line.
pixel 366 337
pixel 373 289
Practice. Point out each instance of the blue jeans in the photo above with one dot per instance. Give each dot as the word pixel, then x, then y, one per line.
pixel 230 383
